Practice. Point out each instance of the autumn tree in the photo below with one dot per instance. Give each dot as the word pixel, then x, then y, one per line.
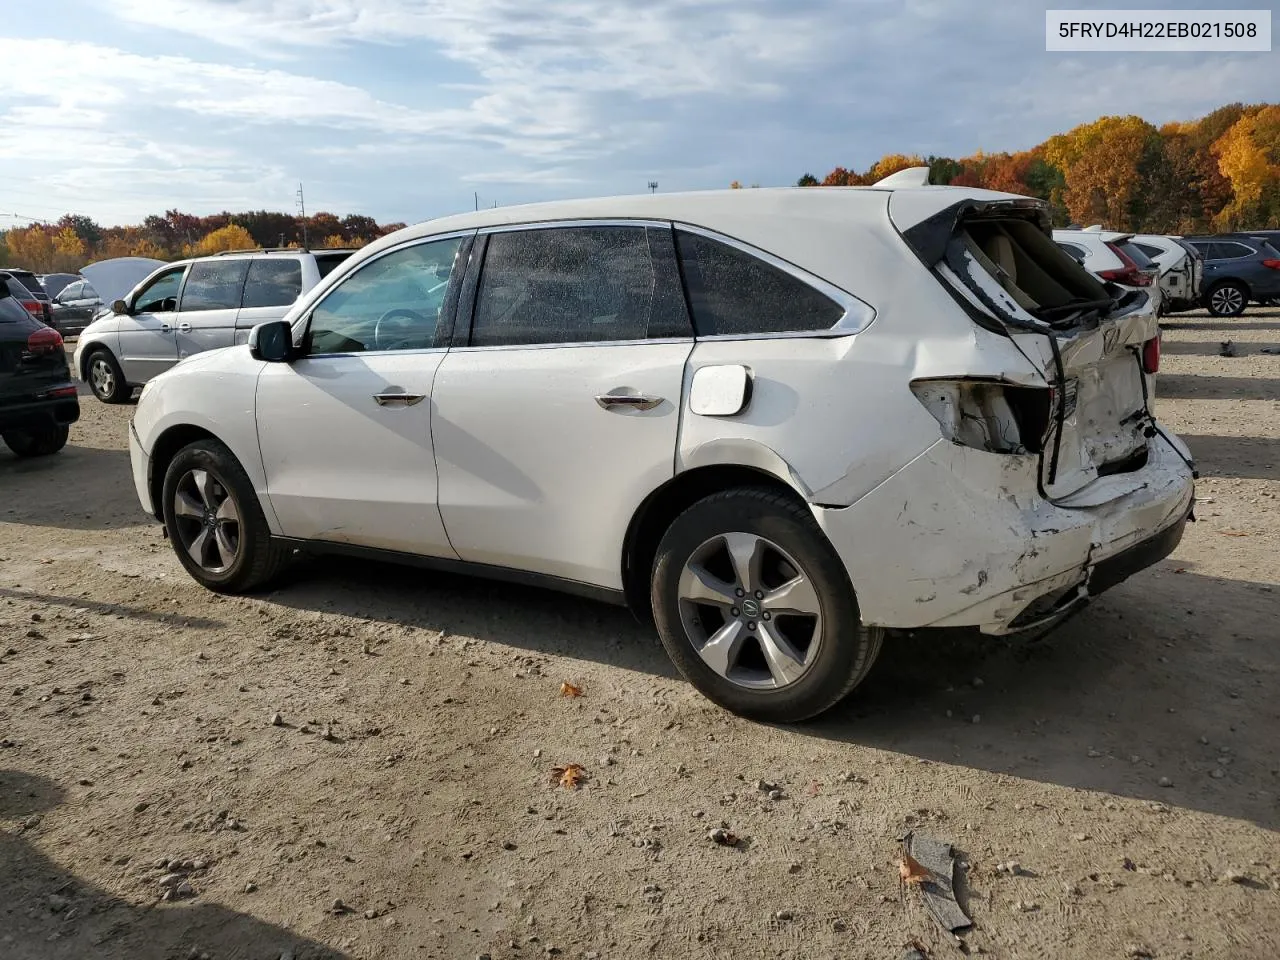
pixel 1248 154
pixel 1100 163
pixel 31 248
pixel 231 237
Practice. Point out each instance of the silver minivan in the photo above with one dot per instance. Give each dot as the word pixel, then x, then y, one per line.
pixel 192 306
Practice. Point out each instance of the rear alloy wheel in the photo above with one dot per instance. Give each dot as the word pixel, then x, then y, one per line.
pixel 755 607
pixel 215 522
pixel 37 441
pixel 1228 299
pixel 106 379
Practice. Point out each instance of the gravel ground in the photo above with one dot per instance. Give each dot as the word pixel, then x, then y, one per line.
pixel 358 764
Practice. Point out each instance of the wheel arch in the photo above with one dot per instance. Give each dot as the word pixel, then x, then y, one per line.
pixel 88 353
pixel 163 451
pixel 1238 281
pixel 654 515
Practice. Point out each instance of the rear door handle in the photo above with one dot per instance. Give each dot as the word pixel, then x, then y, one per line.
pixel 627 401
pixel 399 399
pixel 184 328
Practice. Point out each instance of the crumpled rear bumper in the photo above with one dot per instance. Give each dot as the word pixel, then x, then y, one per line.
pixel 947 541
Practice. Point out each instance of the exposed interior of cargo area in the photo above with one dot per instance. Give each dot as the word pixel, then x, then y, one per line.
pixel 1095 345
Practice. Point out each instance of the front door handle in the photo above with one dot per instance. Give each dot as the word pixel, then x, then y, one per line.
pixel 399 399
pixel 627 401
pixel 165 328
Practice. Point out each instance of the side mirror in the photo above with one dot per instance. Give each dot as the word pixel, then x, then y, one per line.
pixel 119 308
pixel 272 342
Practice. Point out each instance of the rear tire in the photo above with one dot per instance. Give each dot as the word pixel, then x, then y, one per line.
pixel 39 441
pixel 214 520
pixel 105 377
pixel 1227 299
pixel 771 631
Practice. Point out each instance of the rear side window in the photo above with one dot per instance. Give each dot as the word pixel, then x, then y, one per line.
pixel 28 280
pixel 325 263
pixel 1135 253
pixel 1150 251
pixel 566 285
pixel 214 285
pixel 732 293
pixel 1074 250
pixel 1230 251
pixel 273 282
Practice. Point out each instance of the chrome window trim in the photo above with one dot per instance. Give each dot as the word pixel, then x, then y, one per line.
pixel 372 353
pixel 644 341
pixel 299 326
pixel 564 224
pixel 1248 250
pixel 857 316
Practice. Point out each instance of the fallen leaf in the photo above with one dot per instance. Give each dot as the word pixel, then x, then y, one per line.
pixel 814 788
pixel 911 870
pixel 1180 570
pixel 569 776
pixel 568 689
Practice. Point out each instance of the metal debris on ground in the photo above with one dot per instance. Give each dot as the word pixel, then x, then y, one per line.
pixel 938 889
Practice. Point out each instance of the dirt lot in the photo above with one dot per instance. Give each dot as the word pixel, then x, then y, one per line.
pixel 1130 762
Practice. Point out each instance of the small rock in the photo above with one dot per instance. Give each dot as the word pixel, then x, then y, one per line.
pixel 277 720
pixel 1094 754
pixel 56 903
pixel 776 795
pixel 764 786
pixel 1138 951
pixel 140 806
pixel 338 907
pixel 723 837
pixel 976 718
pixel 184 889
pixel 1080 837
pixel 1232 875
pixel 794 868
pixel 1217 773
pixel 977 681
pixel 839 926
pixel 1026 906
pixel 1165 782
pixel 171 879
pixel 537 753
pixel 250 887
pixel 783 915
pixel 508 845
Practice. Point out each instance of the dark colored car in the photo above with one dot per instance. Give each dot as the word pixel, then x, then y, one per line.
pixel 1238 267
pixel 74 307
pixel 38 401
pixel 20 289
pixel 31 282
pixel 54 282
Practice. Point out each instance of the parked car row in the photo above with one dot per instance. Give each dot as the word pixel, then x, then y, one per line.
pixel 191 306
pixel 37 398
pixel 778 422
pixel 1222 273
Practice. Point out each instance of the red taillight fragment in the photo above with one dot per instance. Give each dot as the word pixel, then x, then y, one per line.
pixel 44 340
pixel 33 307
pixel 1128 273
pixel 57 392
pixel 1271 264
pixel 1151 355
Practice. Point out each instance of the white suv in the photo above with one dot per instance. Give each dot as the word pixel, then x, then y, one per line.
pixel 778 421
pixel 190 306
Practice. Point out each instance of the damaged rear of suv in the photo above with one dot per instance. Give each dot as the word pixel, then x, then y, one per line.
pixel 1057 480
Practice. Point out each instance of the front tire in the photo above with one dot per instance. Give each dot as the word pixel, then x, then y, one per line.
pixel 1227 299
pixel 756 610
pixel 215 522
pixel 42 441
pixel 105 377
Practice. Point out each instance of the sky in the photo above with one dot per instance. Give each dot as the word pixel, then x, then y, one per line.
pixel 407 109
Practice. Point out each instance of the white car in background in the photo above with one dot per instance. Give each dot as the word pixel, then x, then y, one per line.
pixel 188 307
pixel 1112 257
pixel 780 422
pixel 1181 269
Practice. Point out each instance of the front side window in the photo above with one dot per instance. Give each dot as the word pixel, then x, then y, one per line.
pixel 733 293
pixel 391 303
pixel 565 285
pixel 161 294
pixel 273 282
pixel 214 285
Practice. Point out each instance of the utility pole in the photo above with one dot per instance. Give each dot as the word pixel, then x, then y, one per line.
pixel 476 194
pixel 302 206
pixel 653 186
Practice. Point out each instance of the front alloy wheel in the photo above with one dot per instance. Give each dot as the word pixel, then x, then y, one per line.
pixel 214 520
pixel 207 521
pixel 1227 300
pixel 750 611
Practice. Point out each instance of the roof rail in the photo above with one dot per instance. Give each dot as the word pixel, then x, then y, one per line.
pixel 225 253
